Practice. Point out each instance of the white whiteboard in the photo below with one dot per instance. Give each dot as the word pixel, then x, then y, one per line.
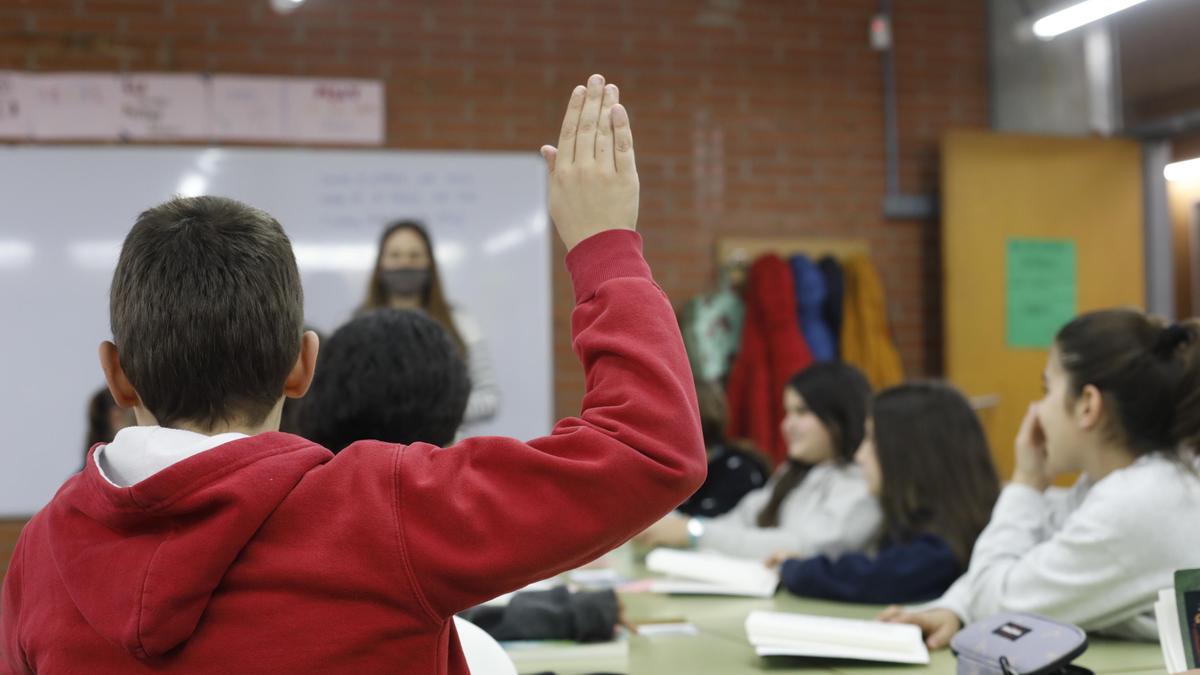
pixel 64 212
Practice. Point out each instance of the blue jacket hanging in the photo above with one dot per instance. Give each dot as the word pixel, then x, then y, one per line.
pixel 810 303
pixel 832 309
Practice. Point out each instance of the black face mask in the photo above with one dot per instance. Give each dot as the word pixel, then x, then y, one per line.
pixel 404 281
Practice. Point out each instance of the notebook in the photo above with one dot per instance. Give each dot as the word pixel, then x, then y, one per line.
pixel 786 634
pixel 708 573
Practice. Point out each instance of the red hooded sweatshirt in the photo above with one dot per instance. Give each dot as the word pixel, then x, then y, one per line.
pixel 268 554
pixel 772 350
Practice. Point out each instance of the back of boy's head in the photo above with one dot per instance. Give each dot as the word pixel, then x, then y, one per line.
pixel 206 310
pixel 388 375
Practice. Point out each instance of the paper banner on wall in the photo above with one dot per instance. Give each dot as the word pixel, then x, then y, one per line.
pixel 335 111
pixel 74 106
pixel 164 107
pixel 249 108
pixel 14 111
pixel 150 106
pixel 1041 290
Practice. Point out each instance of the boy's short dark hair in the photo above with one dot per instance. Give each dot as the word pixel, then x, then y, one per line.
pixel 389 375
pixel 206 310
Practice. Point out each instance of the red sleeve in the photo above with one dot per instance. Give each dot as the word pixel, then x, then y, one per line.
pixel 12 658
pixel 490 515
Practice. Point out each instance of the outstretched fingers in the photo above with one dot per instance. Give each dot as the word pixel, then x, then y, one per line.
pixel 604 134
pixel 570 127
pixel 623 140
pixel 589 122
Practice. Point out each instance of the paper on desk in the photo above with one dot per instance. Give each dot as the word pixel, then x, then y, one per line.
pixel 665 629
pixel 709 573
pixel 786 634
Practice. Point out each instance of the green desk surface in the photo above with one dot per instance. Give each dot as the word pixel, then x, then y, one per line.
pixel 722 648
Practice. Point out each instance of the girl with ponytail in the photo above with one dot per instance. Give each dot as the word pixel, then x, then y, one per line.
pixel 1122 409
pixel 927 460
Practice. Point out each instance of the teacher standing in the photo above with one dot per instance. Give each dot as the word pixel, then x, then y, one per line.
pixel 406 277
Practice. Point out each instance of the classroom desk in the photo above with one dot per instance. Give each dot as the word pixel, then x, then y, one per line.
pixel 722 647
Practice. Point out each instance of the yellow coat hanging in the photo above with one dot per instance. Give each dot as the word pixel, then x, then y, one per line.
pixel 866 340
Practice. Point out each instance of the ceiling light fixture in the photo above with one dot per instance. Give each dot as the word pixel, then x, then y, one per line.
pixel 1080 14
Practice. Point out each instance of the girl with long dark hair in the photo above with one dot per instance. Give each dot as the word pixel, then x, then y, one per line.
pixel 926 457
pixel 817 502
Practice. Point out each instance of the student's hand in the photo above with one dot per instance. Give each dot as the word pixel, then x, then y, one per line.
pixel 593 177
pixel 1031 465
pixel 776 559
pixel 937 625
pixel 670 531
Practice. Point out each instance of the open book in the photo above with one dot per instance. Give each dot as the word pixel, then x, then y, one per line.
pixel 706 573
pixel 784 634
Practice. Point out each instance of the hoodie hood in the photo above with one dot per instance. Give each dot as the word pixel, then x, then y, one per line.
pixel 141 562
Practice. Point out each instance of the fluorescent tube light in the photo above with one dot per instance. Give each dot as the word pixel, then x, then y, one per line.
pixel 1081 14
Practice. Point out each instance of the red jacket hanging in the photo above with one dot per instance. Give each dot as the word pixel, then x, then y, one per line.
pixel 772 350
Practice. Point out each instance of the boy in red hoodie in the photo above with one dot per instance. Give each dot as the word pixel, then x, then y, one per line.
pixel 205 541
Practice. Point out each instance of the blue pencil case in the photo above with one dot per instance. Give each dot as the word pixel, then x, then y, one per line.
pixel 1019 644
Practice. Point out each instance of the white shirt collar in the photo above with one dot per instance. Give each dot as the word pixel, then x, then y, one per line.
pixel 140 452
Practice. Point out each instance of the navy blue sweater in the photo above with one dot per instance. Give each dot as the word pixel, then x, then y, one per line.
pixel 917 570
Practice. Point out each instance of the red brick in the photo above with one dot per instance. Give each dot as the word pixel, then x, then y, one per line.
pixel 791 86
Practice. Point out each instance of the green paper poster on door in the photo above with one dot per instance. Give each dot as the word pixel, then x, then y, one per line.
pixel 1041 286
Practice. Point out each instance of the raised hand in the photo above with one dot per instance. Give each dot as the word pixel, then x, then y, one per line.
pixel 592 174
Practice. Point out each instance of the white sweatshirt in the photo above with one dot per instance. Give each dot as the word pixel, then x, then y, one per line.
pixel 484 401
pixel 831 512
pixel 1092 555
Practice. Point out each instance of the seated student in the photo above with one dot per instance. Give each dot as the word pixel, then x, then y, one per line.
pixel 203 541
pixel 397 376
pixel 1122 407
pixel 926 458
pixel 734 469
pixel 818 503
pixel 388 374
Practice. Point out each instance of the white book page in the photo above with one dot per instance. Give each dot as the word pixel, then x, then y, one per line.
pixel 689 587
pixel 780 633
pixel 715 569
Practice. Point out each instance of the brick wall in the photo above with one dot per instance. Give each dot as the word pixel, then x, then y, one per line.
pixel 751 117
